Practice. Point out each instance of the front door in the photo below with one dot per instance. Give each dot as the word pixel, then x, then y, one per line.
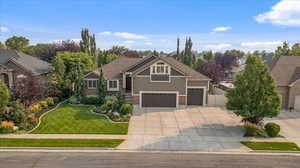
pixel 128 83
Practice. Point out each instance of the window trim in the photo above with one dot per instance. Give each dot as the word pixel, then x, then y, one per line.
pixel 153 68
pixel 113 89
pixel 87 85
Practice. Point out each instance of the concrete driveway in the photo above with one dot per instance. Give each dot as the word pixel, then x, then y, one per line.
pixel 184 129
pixel 290 125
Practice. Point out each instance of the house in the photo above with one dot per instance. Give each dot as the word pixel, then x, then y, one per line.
pixel 152 81
pixel 286 71
pixel 15 64
pixel 230 75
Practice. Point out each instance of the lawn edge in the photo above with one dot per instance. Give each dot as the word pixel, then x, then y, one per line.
pixel 270 151
pixel 40 118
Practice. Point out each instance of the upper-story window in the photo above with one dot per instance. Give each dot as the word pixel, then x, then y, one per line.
pixel 160 68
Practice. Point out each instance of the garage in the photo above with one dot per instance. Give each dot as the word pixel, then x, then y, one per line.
pixel 195 96
pixel 158 99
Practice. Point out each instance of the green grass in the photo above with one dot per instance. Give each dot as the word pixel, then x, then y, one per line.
pixel 69 119
pixel 103 143
pixel 280 146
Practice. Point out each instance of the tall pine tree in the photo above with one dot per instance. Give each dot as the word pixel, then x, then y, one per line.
pixel 178 49
pixel 102 90
pixel 254 95
pixel 88 44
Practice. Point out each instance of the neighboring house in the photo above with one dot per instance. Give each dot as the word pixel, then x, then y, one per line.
pixel 286 71
pixel 15 64
pixel 152 81
pixel 230 75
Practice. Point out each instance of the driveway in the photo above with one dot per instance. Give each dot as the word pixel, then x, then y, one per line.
pixel 290 125
pixel 184 129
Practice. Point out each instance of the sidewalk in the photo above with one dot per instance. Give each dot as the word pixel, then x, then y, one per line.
pixel 63 136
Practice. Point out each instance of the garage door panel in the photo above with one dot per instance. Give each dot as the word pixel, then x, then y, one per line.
pixel 159 100
pixel 195 96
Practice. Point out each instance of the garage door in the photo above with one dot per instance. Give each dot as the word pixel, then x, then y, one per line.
pixel 159 99
pixel 297 103
pixel 195 96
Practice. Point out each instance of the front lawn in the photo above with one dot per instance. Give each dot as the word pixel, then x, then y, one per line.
pixel 280 146
pixel 69 119
pixel 103 143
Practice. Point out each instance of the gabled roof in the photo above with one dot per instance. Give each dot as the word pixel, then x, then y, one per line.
pixel 124 64
pixel 285 69
pixel 116 67
pixel 27 62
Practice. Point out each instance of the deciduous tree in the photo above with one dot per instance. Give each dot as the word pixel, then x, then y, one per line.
pixel 16 42
pixel 212 70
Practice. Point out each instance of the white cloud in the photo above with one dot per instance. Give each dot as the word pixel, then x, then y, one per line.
pixel 76 40
pixel 218 46
pixel 261 44
pixel 106 33
pixel 285 12
pixel 129 42
pixel 3 29
pixel 124 35
pixel 221 29
pixel 148 43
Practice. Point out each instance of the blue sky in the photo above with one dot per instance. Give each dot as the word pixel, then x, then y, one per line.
pixel 155 24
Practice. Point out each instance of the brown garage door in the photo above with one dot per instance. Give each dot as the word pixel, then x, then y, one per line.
pixel 195 96
pixel 159 100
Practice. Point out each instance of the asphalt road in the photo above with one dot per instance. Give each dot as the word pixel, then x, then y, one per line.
pixel 140 159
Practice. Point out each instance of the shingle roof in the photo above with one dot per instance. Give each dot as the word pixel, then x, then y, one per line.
pixel 285 69
pixel 29 63
pixel 116 67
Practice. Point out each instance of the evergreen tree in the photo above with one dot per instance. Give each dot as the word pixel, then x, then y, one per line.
pixel 295 51
pixel 186 56
pixel 254 96
pixel 102 90
pixel 283 50
pixel 178 49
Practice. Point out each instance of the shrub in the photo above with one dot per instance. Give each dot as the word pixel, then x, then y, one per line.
pixel 56 99
pixel 35 108
pixel 7 127
pixel 90 100
pixel 126 109
pixel 44 104
pixel 14 113
pixel 120 100
pixel 272 129
pixel 253 129
pixel 50 101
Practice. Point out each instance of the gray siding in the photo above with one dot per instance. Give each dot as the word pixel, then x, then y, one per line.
pixel 145 72
pixel 160 77
pixel 197 83
pixel 144 84
pixel 173 72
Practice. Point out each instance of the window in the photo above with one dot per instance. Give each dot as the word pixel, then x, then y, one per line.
pixel 160 68
pixel 91 83
pixel 113 85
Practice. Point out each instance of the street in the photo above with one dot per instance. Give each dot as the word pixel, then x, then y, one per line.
pixel 142 159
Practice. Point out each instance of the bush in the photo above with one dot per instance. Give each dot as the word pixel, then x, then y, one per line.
pixel 56 99
pixel 14 113
pixel 272 129
pixel 120 100
pixel 7 127
pixel 35 108
pixel 126 109
pixel 44 104
pixel 50 101
pixel 253 130
pixel 90 100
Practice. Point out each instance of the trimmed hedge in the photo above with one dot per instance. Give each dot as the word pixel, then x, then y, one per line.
pixel 272 129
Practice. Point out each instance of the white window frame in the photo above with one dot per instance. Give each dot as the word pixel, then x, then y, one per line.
pixel 113 89
pixel 88 83
pixel 155 66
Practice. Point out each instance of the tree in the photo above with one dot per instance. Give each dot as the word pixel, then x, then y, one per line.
pixel 102 90
pixel 88 44
pixel 186 56
pixel 178 49
pixel 119 50
pixel 226 60
pixel 212 70
pixel 254 95
pixel 282 50
pixel 198 63
pixel 237 53
pixel 295 50
pixel 28 89
pixel 131 54
pixel 4 96
pixel 16 42
pixel 2 46
pixel 207 55
pixel 120 100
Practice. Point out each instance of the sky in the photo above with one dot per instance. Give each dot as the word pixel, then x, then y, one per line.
pixel 216 25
